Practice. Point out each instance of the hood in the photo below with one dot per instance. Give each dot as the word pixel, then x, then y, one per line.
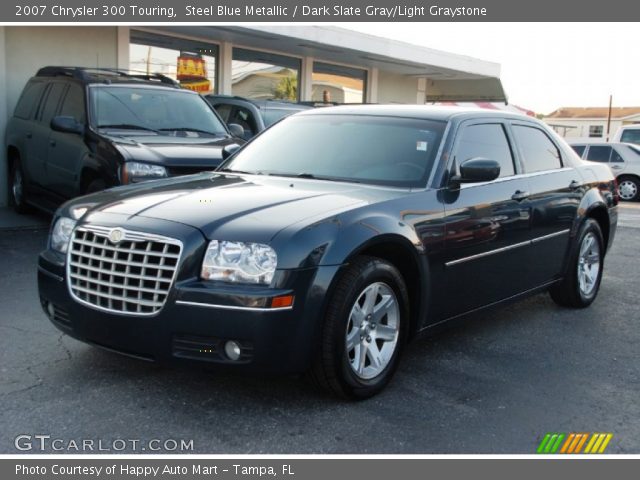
pixel 174 151
pixel 236 207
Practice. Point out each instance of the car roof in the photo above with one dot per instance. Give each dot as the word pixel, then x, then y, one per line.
pixel 107 76
pixel 427 112
pixel 268 103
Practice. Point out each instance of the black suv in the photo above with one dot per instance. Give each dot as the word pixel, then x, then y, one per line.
pixel 253 115
pixel 78 130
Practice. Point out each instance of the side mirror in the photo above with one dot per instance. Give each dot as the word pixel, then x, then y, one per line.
pixel 230 150
pixel 66 125
pixel 477 170
pixel 236 130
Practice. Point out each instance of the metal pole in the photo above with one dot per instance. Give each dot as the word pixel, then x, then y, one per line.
pixel 609 117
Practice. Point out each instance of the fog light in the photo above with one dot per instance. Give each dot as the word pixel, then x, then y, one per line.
pixel 232 350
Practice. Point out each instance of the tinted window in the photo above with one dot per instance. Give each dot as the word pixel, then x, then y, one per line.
pixel 615 156
pixel 272 115
pixel 362 148
pixel 486 141
pixel 579 149
pixel 538 150
pixel 630 136
pixel 73 104
pixel 51 103
pixel 243 117
pixel 224 110
pixel 29 99
pixel 599 153
pixel 152 108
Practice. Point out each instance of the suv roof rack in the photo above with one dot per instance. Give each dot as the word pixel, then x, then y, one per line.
pixel 88 73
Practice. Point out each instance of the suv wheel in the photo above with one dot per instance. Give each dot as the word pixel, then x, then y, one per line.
pixel 580 286
pixel 629 189
pixel 364 330
pixel 17 188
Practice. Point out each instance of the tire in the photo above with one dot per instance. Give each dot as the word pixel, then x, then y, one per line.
pixel 629 189
pixel 94 186
pixel 344 363
pixel 579 288
pixel 17 190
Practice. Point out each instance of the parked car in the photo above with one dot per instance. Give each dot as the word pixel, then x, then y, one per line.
pixel 78 130
pixel 330 240
pixel 624 160
pixel 628 134
pixel 252 115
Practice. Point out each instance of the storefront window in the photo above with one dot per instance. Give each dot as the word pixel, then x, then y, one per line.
pixel 190 62
pixel 263 76
pixel 338 84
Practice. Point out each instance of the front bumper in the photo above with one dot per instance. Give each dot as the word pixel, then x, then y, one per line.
pixel 198 318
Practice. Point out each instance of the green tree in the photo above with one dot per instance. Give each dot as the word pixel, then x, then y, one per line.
pixel 287 88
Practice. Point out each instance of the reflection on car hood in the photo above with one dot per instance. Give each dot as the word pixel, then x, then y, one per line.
pixel 174 150
pixel 236 207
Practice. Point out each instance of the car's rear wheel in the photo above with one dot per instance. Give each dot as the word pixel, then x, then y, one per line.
pixel 17 188
pixel 629 189
pixel 364 330
pixel 580 286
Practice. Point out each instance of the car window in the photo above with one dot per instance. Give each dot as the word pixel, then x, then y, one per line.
pixel 29 99
pixel 616 157
pixel 599 153
pixel 51 103
pixel 486 141
pixel 73 103
pixel 630 136
pixel 539 152
pixel 246 120
pixel 164 109
pixel 579 149
pixel 362 148
pixel 224 109
pixel 272 115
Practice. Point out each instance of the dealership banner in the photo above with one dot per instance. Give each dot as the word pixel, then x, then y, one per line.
pixel 209 11
pixel 370 468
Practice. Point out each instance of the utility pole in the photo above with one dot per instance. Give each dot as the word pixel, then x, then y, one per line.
pixel 609 117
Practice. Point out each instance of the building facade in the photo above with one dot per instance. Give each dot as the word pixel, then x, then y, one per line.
pixel 591 123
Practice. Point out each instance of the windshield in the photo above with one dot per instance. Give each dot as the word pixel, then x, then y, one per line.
pixel 152 109
pixel 369 149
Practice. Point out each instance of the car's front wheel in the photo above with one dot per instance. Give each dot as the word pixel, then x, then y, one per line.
pixel 364 330
pixel 579 287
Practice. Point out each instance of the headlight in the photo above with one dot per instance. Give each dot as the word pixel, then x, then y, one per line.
pixel 239 262
pixel 61 234
pixel 138 172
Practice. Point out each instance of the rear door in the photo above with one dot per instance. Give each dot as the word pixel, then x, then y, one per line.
pixel 554 196
pixel 486 224
pixel 42 131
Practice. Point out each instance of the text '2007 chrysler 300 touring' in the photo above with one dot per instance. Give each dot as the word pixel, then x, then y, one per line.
pixel 330 240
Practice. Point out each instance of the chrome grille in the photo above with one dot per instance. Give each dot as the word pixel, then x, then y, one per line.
pixel 132 276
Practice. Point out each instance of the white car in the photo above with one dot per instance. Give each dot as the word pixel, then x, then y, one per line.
pixel 624 160
pixel 628 134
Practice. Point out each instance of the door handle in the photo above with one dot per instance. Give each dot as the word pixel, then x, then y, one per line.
pixel 616 167
pixel 52 143
pixel 520 195
pixel 575 185
pixel 29 135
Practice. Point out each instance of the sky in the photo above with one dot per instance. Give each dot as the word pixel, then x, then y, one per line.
pixel 544 66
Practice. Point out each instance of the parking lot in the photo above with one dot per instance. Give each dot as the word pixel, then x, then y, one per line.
pixel 495 384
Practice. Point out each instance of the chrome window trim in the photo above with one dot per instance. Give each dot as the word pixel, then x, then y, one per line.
pixel 130 235
pixel 516 177
pixel 506 249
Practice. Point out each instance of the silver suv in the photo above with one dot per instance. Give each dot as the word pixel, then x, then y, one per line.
pixel 624 160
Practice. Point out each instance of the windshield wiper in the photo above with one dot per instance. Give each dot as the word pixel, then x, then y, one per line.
pixel 311 176
pixel 128 126
pixel 231 170
pixel 188 129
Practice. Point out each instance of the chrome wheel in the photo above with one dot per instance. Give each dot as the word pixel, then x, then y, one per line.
pixel 372 330
pixel 588 264
pixel 627 189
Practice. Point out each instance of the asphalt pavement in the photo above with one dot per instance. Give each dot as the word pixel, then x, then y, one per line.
pixel 495 384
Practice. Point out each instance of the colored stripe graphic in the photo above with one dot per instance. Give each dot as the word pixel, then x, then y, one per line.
pixel 573 443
